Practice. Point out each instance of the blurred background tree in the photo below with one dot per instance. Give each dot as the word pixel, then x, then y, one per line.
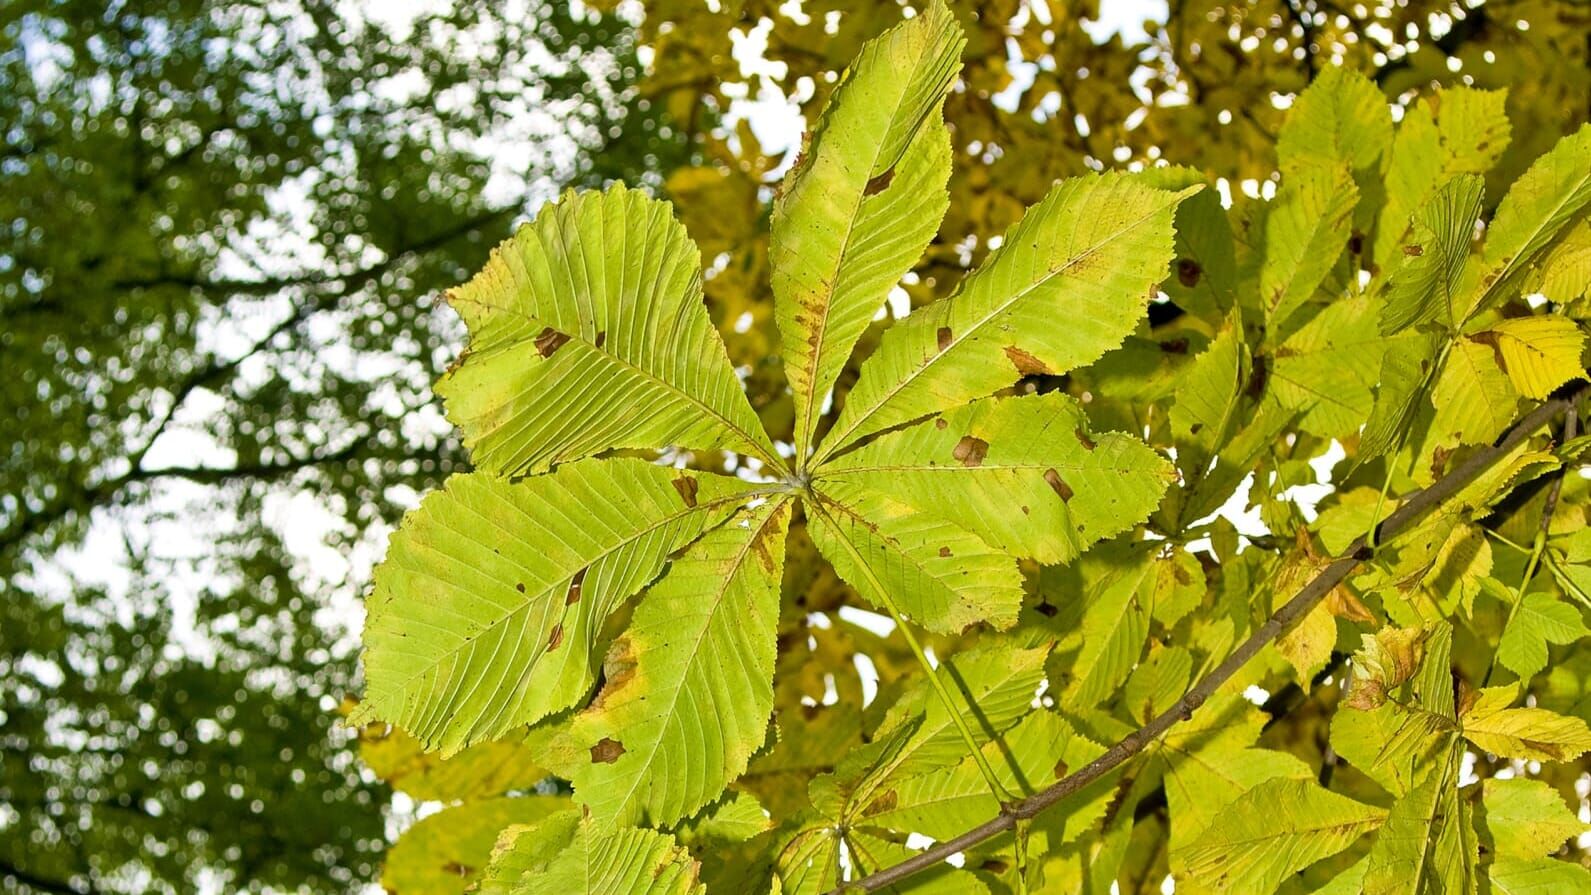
pixel 225 227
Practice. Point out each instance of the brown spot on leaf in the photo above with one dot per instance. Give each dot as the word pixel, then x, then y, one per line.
pixel 520 586
pixel 573 596
pixel 1025 362
pixel 556 637
pixel 879 184
pixel 1413 251
pixel 1053 479
pixel 1083 439
pixel 1047 610
pixel 940 423
pixel 457 869
pixel 1356 243
pixel 944 335
pixel 970 451
pixel 550 340
pixel 686 486
pixel 944 551
pixel 1061 769
pixel 1188 272
pixel 885 802
pixel 601 338
pixel 1174 346
pixel 606 751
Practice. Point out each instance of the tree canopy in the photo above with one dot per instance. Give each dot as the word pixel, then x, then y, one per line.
pixel 226 225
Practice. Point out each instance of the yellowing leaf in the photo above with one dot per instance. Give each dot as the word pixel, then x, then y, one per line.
pixel 447 851
pixel 1539 353
pixel 1525 818
pixel 567 856
pixel 1306 231
pixel 1474 399
pixel 481 771
pixel 1531 734
pixel 1274 830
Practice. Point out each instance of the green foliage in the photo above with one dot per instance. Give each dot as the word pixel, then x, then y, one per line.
pixel 628 514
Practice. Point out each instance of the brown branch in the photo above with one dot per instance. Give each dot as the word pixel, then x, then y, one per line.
pixel 1332 575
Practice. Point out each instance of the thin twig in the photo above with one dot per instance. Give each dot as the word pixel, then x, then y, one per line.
pixel 1299 606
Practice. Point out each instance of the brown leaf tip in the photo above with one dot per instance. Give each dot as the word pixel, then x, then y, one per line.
pixel 606 751
pixel 970 451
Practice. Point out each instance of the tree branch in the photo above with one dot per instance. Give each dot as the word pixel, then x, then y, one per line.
pixel 1332 575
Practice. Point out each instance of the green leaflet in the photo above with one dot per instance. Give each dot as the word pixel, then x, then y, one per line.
pixel 1326 369
pixel 918 736
pixel 1275 829
pixel 1539 620
pixel 864 202
pixel 1425 285
pixel 486 609
pixel 1340 119
pixel 700 646
pixel 1398 398
pixel 1538 209
pixel 1027 758
pixel 1523 818
pixel 591 311
pixel 1115 625
pixel 1091 250
pixel 1457 130
pixel 447 851
pixel 1208 398
pixel 1306 231
pixel 1541 876
pixel 1426 843
pixel 938 574
pixel 1023 474
pixel 1201 785
pixel 565 855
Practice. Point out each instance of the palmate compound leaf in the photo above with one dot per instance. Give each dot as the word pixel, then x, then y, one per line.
pixel 1068 283
pixel 862 204
pixel 570 855
pixel 486 609
pixel 688 687
pixel 587 333
pixel 1024 474
pixel 1274 830
pixel 1538 620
